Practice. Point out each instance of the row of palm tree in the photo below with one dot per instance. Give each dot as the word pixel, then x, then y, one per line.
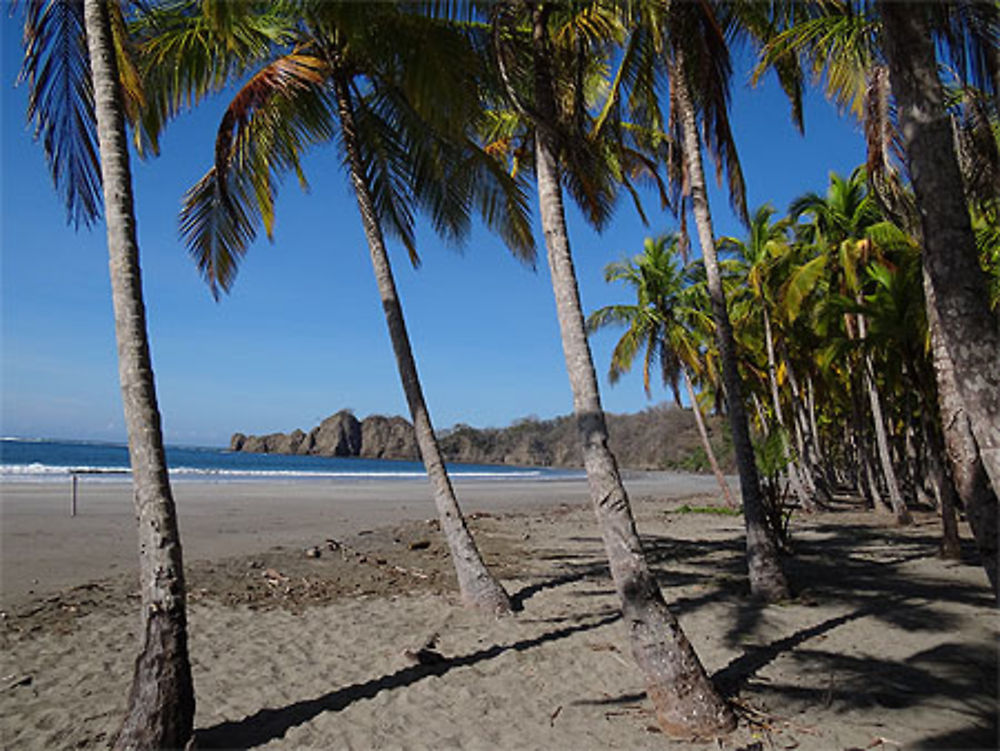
pixel 451 109
pixel 829 301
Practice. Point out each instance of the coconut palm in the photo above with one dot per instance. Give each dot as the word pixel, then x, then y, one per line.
pixel 392 89
pixel 764 249
pixel 662 322
pixel 688 51
pixel 543 52
pixel 970 331
pixel 76 68
pixel 848 42
pixel 848 232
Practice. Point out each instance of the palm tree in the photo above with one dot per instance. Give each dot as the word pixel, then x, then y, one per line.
pixel 848 233
pixel 893 45
pixel 690 43
pixel 969 330
pixel 764 248
pixel 363 74
pixel 546 92
pixel 661 322
pixel 73 89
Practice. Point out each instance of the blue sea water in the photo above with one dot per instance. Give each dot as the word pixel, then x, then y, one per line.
pixel 41 460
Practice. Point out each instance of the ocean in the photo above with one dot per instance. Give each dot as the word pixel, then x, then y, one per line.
pixel 44 460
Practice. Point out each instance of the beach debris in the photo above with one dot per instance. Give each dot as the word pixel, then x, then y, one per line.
pixel 426 654
pixel 332 544
pixel 274 577
pixel 313 552
pixel 366 532
pixel 411 572
pixel 24 680
pixel 420 544
pixel 552 717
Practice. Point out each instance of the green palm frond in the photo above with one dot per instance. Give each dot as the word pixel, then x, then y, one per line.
pixel 272 120
pixel 60 109
pixel 800 285
pixel 836 41
pixel 624 353
pixel 189 49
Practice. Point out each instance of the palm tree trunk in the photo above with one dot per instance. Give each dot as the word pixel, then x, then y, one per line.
pixel 772 376
pixel 969 330
pixel 686 703
pixel 944 490
pixel 867 478
pixel 805 441
pixel 973 486
pixel 882 444
pixel 161 705
pixel 699 420
pixel 478 587
pixel 767 580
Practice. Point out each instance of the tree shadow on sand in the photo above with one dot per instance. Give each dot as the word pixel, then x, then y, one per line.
pixel 270 724
pixel 862 569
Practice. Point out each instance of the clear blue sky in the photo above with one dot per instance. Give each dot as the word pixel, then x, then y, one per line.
pixel 302 334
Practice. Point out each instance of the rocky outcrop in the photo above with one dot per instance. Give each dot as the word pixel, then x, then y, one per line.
pixel 657 438
pixel 337 435
pixel 388 438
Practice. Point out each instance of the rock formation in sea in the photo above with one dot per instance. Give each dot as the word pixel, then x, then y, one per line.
pixel 661 437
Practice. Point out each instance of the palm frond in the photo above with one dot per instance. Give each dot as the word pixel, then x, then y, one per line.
pixel 60 109
pixel 278 114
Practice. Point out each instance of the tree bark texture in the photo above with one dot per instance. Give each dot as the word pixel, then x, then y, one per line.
pixel 699 421
pixel 161 702
pixel 683 696
pixel 478 587
pixel 767 580
pixel 971 483
pixel 970 331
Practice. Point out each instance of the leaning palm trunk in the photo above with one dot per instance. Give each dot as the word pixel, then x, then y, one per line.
pixel 969 330
pixel 767 580
pixel 477 585
pixel 944 490
pixel 161 702
pixel 882 445
pixel 881 439
pixel 686 703
pixel 699 421
pixel 971 483
pixel 794 478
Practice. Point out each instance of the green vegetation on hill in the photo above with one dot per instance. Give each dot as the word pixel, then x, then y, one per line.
pixel 661 437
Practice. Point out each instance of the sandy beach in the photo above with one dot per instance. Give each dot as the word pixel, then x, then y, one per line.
pixel 885 646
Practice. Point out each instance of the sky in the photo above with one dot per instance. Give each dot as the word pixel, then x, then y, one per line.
pixel 302 334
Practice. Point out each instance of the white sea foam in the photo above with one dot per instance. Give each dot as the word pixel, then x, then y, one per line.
pixel 47 471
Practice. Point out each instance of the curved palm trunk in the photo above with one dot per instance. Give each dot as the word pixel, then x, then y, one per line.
pixel 982 507
pixel 767 580
pixel 161 702
pixel 477 585
pixel 686 703
pixel 699 420
pixel 969 330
